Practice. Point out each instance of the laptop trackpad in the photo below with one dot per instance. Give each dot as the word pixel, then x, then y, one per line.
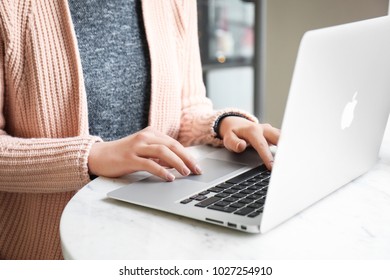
pixel 214 169
pixel 152 189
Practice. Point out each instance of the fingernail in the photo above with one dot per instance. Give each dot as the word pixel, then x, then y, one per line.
pixel 186 171
pixel 170 177
pixel 198 170
pixel 242 144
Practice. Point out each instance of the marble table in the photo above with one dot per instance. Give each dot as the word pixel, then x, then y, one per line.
pixel 352 223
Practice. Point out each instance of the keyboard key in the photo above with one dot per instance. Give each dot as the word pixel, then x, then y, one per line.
pixel 253 196
pixel 260 201
pixel 208 201
pixel 263 174
pixel 230 191
pixel 246 200
pixel 261 193
pixel 247 191
pixel 221 203
pixel 245 183
pixel 254 214
pixel 255 205
pixel 255 188
pixel 262 184
pixel 252 180
pixel 244 211
pixel 223 209
pixel 237 205
pixel 224 185
pixel 238 187
pixel 185 201
pixel 239 195
pixel 200 197
pixel 230 199
pixel 222 195
pixel 204 193
pixel 215 189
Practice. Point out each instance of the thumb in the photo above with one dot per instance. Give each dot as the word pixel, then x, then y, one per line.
pixel 233 143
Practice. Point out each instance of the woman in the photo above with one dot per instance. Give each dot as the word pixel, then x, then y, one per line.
pixel 59 113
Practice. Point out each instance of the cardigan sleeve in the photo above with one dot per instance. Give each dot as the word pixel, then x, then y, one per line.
pixel 42 165
pixel 198 117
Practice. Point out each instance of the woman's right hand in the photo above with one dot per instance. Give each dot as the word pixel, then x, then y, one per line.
pixel 147 150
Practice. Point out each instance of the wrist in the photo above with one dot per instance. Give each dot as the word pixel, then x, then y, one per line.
pixel 93 159
pixel 218 123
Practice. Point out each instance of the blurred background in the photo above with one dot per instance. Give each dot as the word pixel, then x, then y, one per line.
pixel 249 47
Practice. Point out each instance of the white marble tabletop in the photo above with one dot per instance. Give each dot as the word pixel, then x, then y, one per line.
pixel 352 223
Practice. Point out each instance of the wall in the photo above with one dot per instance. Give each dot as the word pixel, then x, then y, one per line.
pixel 286 22
pixel 231 87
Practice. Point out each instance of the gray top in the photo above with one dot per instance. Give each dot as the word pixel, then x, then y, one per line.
pixel 116 65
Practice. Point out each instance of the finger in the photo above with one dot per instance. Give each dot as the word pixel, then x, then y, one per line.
pixel 255 136
pixel 177 149
pixel 233 143
pixel 161 162
pixel 260 144
pixel 271 133
pixel 155 169
pixel 263 150
pixel 165 155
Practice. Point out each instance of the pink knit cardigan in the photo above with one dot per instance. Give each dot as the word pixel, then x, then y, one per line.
pixel 44 140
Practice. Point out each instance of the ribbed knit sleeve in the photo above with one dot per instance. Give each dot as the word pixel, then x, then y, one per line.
pixel 198 117
pixel 44 165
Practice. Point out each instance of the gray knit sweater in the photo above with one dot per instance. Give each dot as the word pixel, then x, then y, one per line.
pixel 116 65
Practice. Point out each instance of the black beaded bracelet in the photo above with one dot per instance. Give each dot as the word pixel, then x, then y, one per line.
pixel 218 121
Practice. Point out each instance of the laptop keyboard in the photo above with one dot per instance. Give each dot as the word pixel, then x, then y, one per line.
pixel 242 195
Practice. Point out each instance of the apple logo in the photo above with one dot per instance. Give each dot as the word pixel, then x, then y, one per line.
pixel 348 113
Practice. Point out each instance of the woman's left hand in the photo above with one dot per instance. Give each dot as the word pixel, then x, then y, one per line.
pixel 238 133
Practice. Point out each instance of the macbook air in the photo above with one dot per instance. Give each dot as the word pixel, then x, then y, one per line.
pixel 334 122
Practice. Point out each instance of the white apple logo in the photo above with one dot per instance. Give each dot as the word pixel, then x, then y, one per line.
pixel 348 113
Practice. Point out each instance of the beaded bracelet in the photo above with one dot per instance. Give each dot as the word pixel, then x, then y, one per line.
pixel 218 121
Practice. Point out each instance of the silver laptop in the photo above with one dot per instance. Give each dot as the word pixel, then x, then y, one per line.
pixel 337 110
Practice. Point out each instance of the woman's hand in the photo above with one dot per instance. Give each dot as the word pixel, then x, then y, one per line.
pixel 237 133
pixel 146 150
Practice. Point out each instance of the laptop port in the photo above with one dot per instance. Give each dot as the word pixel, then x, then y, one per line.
pixel 214 221
pixel 232 225
pixel 243 227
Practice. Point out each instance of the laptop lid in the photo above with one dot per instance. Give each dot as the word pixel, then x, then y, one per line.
pixel 335 117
